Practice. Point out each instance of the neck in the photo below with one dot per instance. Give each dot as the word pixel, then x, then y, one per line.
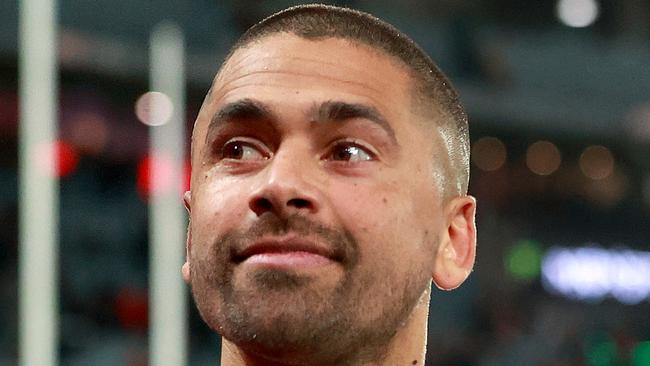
pixel 407 347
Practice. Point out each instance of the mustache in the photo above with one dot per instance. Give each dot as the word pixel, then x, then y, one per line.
pixel 340 241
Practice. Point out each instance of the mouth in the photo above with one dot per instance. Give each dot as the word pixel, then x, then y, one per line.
pixel 286 252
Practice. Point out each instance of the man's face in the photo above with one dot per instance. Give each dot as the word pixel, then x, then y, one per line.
pixel 315 212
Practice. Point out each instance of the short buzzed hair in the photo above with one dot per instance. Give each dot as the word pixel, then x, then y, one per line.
pixel 434 90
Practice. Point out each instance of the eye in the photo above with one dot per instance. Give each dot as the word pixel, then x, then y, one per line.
pixel 350 152
pixel 241 150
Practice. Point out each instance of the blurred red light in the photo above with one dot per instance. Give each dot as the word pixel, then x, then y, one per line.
pixel 166 178
pixel 63 155
pixel 68 159
pixel 132 309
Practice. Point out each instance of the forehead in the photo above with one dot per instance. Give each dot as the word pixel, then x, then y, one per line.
pixel 332 58
pixel 291 72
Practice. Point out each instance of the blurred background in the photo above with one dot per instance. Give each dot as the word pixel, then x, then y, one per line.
pixel 558 93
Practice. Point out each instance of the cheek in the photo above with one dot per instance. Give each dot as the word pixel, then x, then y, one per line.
pixel 384 219
pixel 216 209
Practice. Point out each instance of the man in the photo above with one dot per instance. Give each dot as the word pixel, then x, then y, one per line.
pixel 329 179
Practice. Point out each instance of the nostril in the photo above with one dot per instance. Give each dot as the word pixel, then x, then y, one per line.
pixel 299 203
pixel 262 205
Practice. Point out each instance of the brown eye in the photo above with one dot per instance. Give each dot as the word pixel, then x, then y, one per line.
pixel 239 150
pixel 350 152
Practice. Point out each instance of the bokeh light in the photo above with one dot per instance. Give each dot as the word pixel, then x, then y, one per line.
pixel 577 13
pixel 132 308
pixel 596 162
pixel 148 186
pixel 592 273
pixel 523 260
pixel 489 154
pixel 601 351
pixel 67 159
pixel 543 158
pixel 63 155
pixel 607 191
pixel 641 354
pixel 154 108
pixel 89 132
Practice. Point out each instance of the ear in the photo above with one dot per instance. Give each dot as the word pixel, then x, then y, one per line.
pixel 457 249
pixel 185 270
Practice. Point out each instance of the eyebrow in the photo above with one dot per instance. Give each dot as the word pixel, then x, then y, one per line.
pixel 329 111
pixel 242 109
pixel 342 111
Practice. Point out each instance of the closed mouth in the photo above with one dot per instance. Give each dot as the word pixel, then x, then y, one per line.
pixel 286 245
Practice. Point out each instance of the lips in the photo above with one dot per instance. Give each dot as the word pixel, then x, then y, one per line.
pixel 284 248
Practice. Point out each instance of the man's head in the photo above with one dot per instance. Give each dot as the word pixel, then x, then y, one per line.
pixel 329 175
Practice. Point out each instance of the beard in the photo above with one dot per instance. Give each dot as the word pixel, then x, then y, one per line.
pixel 282 315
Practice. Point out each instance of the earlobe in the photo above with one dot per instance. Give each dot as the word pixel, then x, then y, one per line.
pixel 185 271
pixel 457 247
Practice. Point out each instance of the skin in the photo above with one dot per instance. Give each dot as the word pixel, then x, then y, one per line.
pixel 363 187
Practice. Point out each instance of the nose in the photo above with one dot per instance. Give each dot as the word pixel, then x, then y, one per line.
pixel 285 188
